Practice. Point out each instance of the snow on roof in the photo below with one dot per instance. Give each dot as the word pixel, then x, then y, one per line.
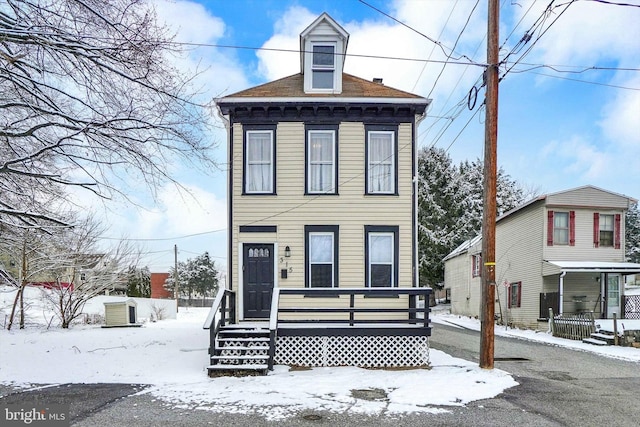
pixel 591 266
pixel 464 247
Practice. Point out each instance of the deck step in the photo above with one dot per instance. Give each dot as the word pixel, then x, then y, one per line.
pixel 247 340
pixel 241 357
pixel 246 333
pixel 244 348
pixel 241 339
pixel 594 341
pixel 245 367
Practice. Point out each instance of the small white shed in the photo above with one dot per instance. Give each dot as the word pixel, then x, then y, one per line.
pixel 121 313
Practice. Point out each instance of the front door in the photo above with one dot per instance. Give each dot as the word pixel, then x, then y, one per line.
pixel 613 296
pixel 258 280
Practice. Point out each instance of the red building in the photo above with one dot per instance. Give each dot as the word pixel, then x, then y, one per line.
pixel 157 286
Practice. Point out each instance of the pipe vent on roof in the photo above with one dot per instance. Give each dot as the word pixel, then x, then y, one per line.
pixel 377 80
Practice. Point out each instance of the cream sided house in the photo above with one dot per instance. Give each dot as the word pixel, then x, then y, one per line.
pixel 563 251
pixel 322 219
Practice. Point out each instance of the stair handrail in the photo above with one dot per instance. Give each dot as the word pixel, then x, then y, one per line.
pixel 215 308
pixel 273 326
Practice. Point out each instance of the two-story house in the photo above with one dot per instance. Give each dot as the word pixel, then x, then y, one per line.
pixel 322 210
pixel 564 251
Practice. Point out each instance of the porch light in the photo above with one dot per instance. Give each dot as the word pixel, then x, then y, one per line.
pixel 287 252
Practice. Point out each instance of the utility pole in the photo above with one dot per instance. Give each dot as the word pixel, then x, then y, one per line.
pixel 175 276
pixel 487 312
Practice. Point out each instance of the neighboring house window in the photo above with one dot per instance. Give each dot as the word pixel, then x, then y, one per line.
pixel 381 256
pixel 606 230
pixel 321 254
pixel 561 228
pixel 321 161
pixel 259 149
pixel 515 293
pixel 323 66
pixel 381 155
pixel 476 265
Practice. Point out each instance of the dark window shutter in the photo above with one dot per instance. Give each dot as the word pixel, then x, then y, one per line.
pixel 509 296
pixel 596 229
pixel 616 232
pixel 550 228
pixel 519 293
pixel 572 228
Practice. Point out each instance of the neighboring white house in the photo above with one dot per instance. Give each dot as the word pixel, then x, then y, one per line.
pixel 563 251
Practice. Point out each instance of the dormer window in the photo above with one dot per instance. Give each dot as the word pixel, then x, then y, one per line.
pixel 323 66
pixel 323 45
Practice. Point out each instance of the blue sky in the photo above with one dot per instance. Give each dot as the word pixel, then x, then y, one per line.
pixel 555 132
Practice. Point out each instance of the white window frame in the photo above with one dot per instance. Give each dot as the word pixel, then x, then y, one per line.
pixel 477 265
pixel 605 226
pixel 556 240
pixel 322 68
pixel 310 236
pixel 332 176
pixel 249 162
pixel 373 164
pixel 373 234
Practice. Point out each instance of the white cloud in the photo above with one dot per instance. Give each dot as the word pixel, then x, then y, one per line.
pixel 620 121
pixel 586 33
pixel 580 159
pixel 220 70
pixel 389 39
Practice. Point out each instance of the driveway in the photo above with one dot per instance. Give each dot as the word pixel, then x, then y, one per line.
pixel 558 387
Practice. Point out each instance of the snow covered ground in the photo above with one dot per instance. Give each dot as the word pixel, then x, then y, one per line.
pixel 171 357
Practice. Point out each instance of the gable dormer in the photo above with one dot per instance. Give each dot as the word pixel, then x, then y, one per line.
pixel 323 45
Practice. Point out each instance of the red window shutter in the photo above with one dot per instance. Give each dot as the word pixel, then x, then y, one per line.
pixel 572 228
pixel 509 296
pixel 550 228
pixel 596 229
pixel 519 293
pixel 616 231
pixel 473 266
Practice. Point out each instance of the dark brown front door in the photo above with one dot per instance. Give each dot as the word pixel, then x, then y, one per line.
pixel 257 280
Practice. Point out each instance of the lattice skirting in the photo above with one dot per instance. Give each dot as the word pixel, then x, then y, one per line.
pixel 361 351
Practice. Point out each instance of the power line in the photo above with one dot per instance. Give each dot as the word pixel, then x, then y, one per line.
pixel 614 3
pixel 436 42
pixel 157 239
pixel 587 82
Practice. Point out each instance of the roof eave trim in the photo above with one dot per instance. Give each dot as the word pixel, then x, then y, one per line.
pixel 327 99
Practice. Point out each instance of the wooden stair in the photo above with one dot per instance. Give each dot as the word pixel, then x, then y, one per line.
pixel 240 350
pixel 601 337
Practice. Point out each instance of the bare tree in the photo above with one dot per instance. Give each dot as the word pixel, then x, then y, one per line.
pixel 85 270
pixel 30 250
pixel 89 97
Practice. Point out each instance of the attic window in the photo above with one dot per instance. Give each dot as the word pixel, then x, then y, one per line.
pixel 323 66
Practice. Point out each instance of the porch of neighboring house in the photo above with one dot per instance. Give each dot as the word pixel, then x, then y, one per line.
pixel 577 288
pixel 341 327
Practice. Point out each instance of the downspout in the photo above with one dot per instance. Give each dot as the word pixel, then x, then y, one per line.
pixel 228 128
pixel 416 274
pixel 561 292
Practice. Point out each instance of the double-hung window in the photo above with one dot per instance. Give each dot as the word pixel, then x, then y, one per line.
pixel 515 294
pixel 321 254
pixel 561 228
pixel 381 256
pixel 476 265
pixel 323 66
pixel 382 164
pixel 606 230
pixel 321 160
pixel 259 168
